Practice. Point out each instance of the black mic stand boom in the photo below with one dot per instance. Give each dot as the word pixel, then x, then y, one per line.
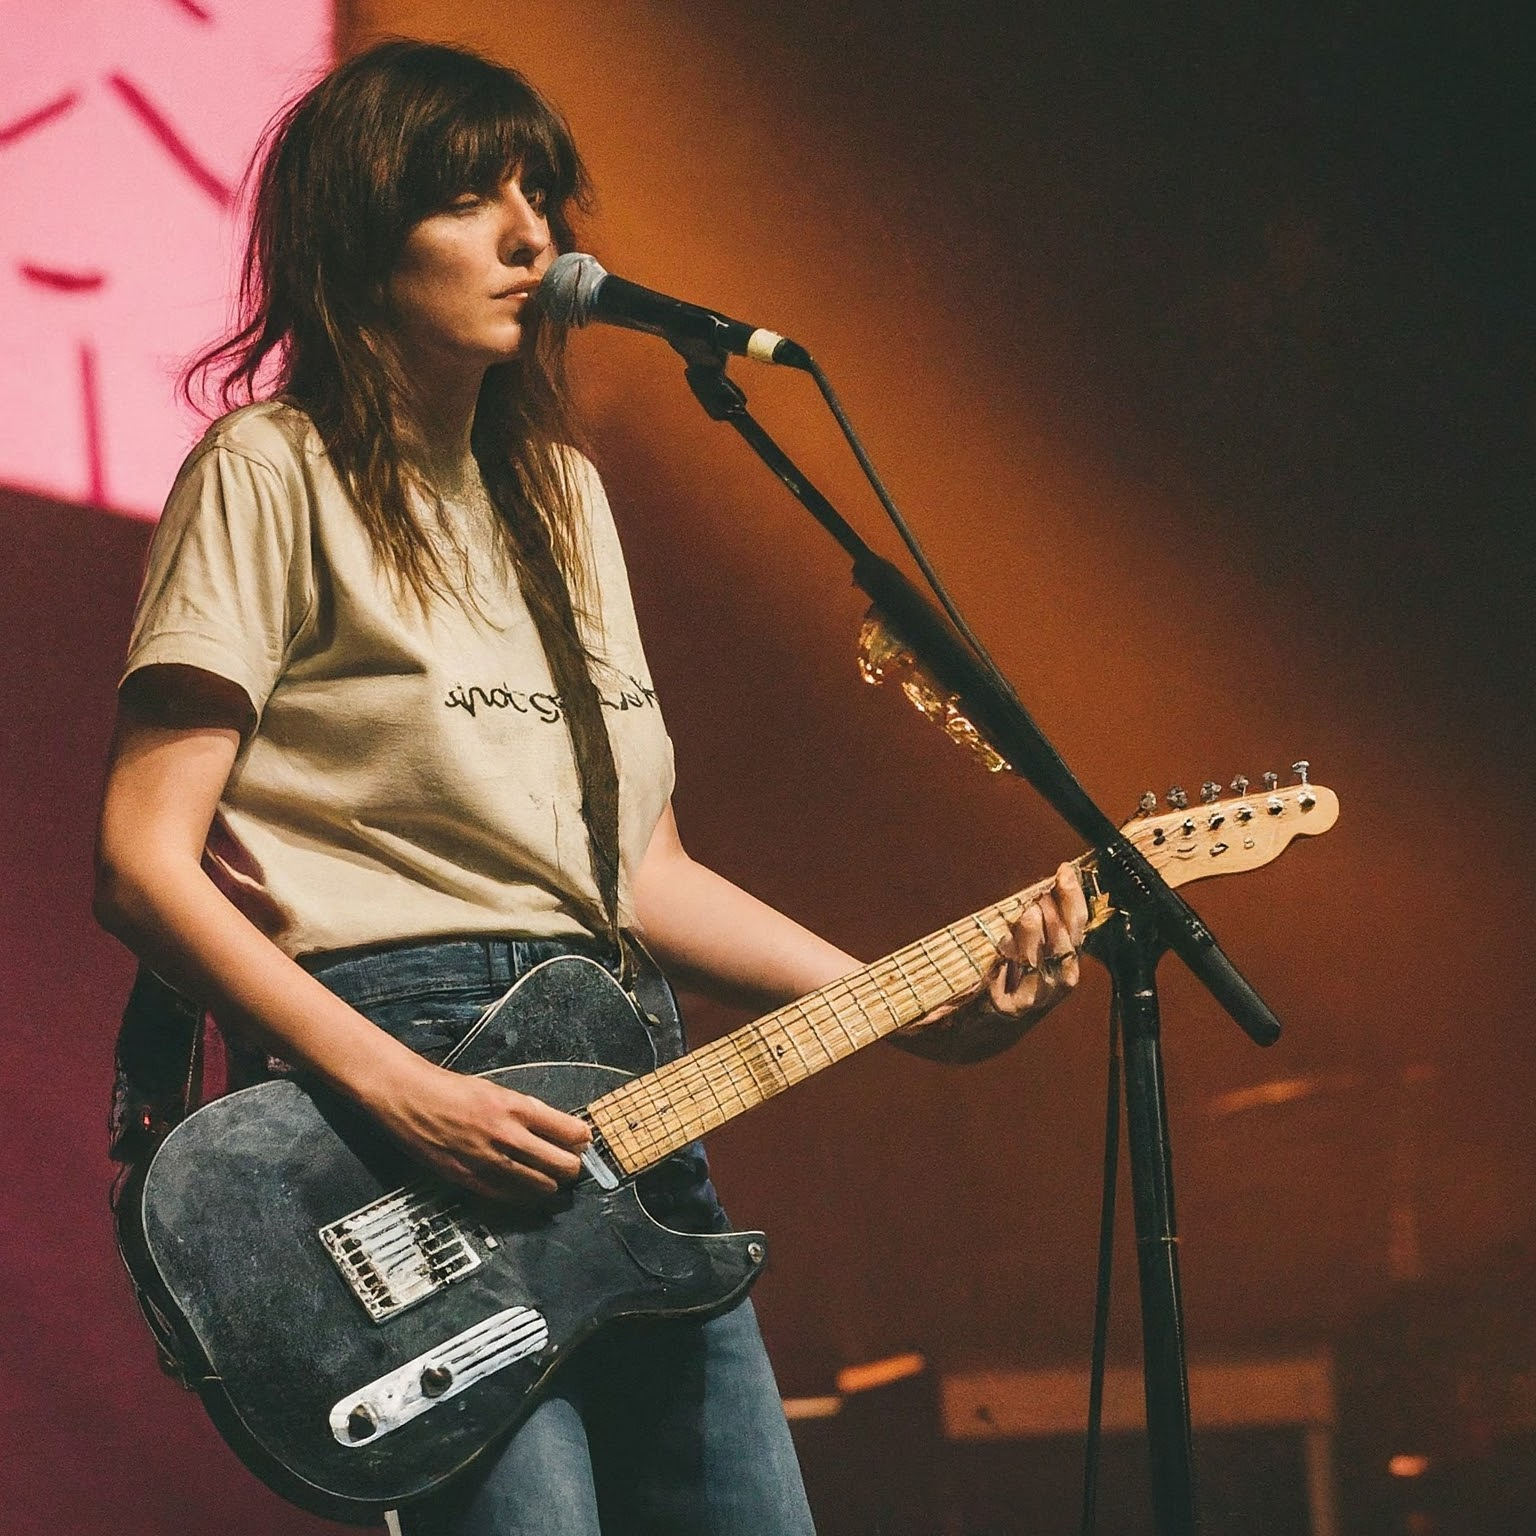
pixel 1150 918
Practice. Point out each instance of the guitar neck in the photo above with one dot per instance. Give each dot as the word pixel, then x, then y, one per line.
pixel 650 1117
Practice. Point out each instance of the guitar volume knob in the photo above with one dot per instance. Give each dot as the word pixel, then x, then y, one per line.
pixel 436 1380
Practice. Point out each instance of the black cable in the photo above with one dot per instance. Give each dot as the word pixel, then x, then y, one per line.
pixel 907 536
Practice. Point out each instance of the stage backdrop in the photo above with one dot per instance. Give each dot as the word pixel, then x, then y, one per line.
pixel 1197 356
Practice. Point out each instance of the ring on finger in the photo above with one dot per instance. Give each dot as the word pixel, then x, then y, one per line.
pixel 1050 965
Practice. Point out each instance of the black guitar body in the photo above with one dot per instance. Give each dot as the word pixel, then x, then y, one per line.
pixel 347 1414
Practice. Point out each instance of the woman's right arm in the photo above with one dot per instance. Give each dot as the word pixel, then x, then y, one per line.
pixel 164 781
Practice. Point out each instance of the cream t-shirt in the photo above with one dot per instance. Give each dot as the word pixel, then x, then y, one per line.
pixel 410 774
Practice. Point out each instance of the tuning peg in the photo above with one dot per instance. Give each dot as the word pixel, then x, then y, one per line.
pixel 1177 798
pixel 1240 785
pixel 1148 803
pixel 1306 799
pixel 1209 791
pixel 1271 780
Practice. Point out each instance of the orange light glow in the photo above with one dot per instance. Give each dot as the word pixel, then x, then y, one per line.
pixel 879 1373
pixel 1408 1466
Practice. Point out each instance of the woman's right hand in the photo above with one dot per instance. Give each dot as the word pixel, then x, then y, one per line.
pixel 172 755
pixel 474 1133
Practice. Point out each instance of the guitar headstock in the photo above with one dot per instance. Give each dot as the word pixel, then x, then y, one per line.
pixel 1223 837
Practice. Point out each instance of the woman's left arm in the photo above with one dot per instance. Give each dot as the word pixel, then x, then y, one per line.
pixel 712 935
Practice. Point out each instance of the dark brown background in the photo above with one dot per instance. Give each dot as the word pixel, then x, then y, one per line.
pixel 1198 352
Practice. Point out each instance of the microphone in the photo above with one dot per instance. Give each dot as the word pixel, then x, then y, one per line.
pixel 576 291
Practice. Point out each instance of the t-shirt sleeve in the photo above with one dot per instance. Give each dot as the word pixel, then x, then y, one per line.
pixel 228 580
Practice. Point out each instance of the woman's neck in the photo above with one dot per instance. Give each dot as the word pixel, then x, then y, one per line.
pixel 443 410
pixel 438 398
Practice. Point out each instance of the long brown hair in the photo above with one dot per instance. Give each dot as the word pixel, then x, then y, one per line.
pixel 386 139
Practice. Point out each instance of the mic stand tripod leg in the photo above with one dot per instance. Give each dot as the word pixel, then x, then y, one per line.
pixel 1132 952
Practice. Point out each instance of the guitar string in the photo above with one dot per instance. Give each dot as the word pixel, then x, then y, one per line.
pixel 668 1107
pixel 703 1063
pixel 728 1056
pixel 703 1067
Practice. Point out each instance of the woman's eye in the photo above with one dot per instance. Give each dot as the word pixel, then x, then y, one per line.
pixel 537 197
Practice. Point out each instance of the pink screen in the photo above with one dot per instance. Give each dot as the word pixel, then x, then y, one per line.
pixel 125 128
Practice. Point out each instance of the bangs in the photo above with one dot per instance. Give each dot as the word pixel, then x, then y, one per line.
pixel 475 135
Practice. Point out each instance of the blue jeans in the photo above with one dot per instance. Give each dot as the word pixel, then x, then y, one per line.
pixel 669 1428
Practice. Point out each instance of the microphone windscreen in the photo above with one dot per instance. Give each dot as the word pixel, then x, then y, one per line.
pixel 568 292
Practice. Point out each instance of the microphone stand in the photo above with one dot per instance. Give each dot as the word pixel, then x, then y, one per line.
pixel 1149 919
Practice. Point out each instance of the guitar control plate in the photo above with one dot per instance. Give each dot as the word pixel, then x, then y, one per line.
pixel 444 1371
pixel 400 1249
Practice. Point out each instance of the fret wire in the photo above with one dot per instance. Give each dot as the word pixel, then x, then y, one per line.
pixel 836 1017
pixel 948 948
pixel 896 1013
pixel 874 1004
pixel 979 919
pixel 794 1040
pixel 744 1061
pixel 832 1013
pixel 965 953
pixel 858 1002
pixel 785 1041
pixel 818 1009
pixel 687 1082
pixel 951 987
pixel 632 1099
pixel 906 980
pixel 793 1023
pixel 778 1081
pixel 706 1068
pixel 885 1021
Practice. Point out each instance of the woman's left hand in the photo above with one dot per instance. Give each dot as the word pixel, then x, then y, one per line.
pixel 1037 965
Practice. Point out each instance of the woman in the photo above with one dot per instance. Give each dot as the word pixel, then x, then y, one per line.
pixel 369 765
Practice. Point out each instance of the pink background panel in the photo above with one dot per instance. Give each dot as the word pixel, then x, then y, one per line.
pixel 125 128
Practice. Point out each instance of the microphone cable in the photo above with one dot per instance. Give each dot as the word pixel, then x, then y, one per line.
pixel 908 538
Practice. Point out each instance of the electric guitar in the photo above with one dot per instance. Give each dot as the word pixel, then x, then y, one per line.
pixel 360 1333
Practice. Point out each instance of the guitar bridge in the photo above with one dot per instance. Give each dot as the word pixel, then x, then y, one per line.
pixel 400 1249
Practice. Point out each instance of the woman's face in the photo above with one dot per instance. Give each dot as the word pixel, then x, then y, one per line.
pixel 465 277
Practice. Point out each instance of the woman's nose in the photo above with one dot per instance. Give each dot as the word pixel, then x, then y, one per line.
pixel 525 230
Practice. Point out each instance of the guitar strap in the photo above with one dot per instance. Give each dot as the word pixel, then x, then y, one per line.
pixel 157 1082
pixel 157 1066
